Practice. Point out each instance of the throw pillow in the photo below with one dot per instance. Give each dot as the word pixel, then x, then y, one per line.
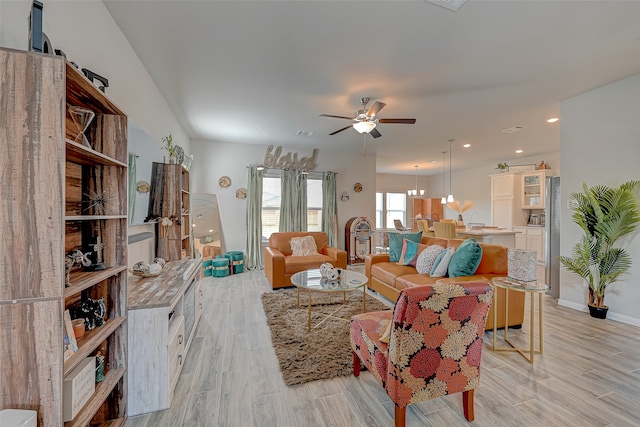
pixel 466 259
pixel 303 246
pixel 441 265
pixel 410 252
pixel 395 243
pixel 427 258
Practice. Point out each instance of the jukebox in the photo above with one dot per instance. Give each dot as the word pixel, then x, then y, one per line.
pixel 358 234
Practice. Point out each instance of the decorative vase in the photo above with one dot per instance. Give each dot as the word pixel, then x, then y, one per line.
pixel 460 222
pixel 598 312
pixel 172 160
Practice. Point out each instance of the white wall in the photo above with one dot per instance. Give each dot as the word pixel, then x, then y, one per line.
pixel 87 33
pixel 213 159
pixel 601 145
pixel 467 184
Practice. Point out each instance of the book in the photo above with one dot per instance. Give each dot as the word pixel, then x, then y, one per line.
pixel 70 343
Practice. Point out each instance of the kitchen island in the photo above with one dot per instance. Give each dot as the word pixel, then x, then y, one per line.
pixel 493 236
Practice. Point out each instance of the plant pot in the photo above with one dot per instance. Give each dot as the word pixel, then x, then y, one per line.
pixel 598 312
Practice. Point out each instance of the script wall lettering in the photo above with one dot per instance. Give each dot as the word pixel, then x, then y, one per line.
pixel 290 160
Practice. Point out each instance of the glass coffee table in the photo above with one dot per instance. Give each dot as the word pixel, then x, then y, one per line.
pixel 311 280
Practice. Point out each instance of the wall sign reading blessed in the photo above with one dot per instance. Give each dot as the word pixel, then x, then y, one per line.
pixel 289 160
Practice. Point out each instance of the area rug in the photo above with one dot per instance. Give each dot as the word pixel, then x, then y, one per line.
pixel 324 352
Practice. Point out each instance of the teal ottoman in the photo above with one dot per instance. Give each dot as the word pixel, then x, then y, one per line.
pixel 237 260
pixel 220 267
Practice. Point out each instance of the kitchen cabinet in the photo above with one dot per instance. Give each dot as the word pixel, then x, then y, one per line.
pixel 533 189
pixel 506 200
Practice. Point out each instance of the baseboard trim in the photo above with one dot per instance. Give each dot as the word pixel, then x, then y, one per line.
pixel 611 315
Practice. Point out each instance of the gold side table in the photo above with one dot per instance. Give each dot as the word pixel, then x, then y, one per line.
pixel 531 289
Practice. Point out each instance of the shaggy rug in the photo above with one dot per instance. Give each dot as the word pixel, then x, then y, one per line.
pixel 324 352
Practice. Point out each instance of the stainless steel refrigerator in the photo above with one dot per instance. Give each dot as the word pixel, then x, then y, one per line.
pixel 552 228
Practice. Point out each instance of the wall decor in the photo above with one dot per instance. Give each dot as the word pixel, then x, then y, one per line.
pixel 344 196
pixel 241 193
pixel 289 160
pixel 224 182
pixel 143 187
pixel 357 187
pixel 522 168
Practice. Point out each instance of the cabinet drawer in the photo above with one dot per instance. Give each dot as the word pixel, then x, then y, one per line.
pixel 176 338
pixel 535 231
pixel 174 372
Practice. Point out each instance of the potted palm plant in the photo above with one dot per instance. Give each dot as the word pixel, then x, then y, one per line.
pixel 605 215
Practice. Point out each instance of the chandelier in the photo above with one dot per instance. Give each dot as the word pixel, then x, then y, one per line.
pixel 415 191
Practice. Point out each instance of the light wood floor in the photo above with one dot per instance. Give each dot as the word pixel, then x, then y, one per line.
pixel 589 375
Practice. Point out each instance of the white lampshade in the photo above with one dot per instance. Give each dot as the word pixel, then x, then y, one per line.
pixel 364 127
pixel 450 198
pixel 443 200
pixel 522 265
pixel 422 192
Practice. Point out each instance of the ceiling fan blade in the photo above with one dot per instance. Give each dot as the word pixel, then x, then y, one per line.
pixel 340 130
pixel 374 133
pixel 400 121
pixel 375 108
pixel 336 117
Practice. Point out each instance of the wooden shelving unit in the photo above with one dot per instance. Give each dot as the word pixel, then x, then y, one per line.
pixel 50 195
pixel 170 198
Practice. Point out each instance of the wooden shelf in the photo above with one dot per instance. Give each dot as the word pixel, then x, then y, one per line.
pixel 85 279
pixel 92 217
pixel 94 403
pixel 90 341
pixel 78 153
pixel 81 91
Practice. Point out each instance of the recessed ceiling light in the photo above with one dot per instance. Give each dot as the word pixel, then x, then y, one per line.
pixel 552 120
pixel 467 145
pixel 519 151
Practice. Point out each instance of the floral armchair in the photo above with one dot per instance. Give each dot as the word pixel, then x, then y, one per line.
pixel 434 347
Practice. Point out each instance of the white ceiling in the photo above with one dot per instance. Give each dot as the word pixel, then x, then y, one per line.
pixel 259 71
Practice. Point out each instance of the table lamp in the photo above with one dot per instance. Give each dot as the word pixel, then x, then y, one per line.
pixel 522 265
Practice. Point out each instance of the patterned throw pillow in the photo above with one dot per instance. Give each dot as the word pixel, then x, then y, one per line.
pixel 395 243
pixel 466 260
pixel 303 246
pixel 410 252
pixel 441 265
pixel 427 258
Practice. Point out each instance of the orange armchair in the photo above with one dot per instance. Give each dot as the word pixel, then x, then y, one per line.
pixel 435 345
pixel 280 263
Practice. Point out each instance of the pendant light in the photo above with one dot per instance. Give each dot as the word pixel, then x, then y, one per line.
pixel 415 192
pixel 450 196
pixel 444 198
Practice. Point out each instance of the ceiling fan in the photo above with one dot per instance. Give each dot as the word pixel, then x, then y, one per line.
pixel 365 119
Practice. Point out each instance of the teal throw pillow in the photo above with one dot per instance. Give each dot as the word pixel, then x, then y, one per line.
pixel 466 260
pixel 395 243
pixel 410 252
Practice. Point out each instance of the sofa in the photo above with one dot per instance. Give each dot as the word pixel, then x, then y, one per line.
pixel 389 278
pixel 280 263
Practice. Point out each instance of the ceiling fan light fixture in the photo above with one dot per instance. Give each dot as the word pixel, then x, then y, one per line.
pixel 364 127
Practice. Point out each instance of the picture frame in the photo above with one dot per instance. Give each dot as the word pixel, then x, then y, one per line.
pixel 522 168
pixel 70 343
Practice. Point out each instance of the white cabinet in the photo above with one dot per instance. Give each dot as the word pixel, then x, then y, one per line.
pixel 506 200
pixel 163 316
pixel 533 184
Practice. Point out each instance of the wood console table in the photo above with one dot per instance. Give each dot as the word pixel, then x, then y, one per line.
pixel 163 314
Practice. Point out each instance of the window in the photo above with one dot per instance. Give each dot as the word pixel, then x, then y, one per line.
pixel 271 205
pixel 390 206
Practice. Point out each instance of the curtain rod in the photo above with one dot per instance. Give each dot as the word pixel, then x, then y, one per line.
pixel 309 172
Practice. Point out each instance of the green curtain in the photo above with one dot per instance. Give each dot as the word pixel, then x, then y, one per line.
pixel 288 199
pixel 330 208
pixel 132 185
pixel 293 201
pixel 253 244
pixel 300 213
